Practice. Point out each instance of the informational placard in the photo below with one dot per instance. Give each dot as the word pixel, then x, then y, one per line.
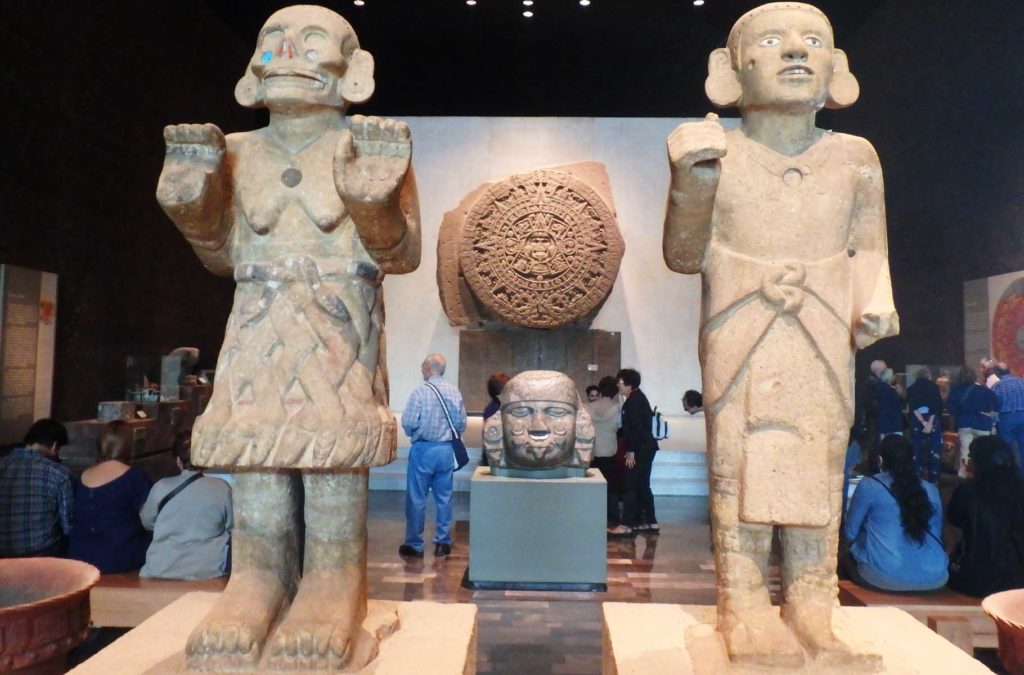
pixel 28 323
pixel 994 320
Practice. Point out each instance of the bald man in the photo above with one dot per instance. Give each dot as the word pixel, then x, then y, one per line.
pixel 431 458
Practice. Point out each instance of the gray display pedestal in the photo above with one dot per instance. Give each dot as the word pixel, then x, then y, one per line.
pixel 545 534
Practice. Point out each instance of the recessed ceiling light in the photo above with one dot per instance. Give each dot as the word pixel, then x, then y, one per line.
pixel 470 2
pixel 527 2
pixel 358 3
pixel 585 3
pixel 698 3
pixel 527 14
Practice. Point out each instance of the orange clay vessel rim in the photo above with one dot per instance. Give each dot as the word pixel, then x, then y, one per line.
pixel 88 574
pixel 995 603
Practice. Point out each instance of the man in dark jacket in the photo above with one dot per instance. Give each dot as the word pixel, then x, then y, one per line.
pixel 924 402
pixel 638 507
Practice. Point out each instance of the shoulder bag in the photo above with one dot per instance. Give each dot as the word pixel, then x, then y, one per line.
pixel 458 447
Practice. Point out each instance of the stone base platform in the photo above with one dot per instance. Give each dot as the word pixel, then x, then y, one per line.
pixel 433 639
pixel 680 639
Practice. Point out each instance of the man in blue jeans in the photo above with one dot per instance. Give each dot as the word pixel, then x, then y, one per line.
pixel 1010 390
pixel 431 458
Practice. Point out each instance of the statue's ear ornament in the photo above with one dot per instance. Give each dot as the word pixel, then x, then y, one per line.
pixel 249 90
pixel 722 86
pixel 843 91
pixel 357 84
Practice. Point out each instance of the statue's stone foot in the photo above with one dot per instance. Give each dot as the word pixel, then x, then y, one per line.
pixel 322 630
pixel 761 638
pixel 813 626
pixel 232 635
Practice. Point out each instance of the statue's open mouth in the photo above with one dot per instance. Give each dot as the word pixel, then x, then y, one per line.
pixel 306 78
pixel 796 70
pixel 539 435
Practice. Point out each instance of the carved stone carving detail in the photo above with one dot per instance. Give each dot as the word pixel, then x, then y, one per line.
pixel 537 250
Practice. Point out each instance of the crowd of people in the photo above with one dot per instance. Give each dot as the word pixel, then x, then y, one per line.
pixel 112 516
pixel 893 526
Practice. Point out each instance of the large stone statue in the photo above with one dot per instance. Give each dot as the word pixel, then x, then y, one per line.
pixel 308 214
pixel 542 425
pixel 786 222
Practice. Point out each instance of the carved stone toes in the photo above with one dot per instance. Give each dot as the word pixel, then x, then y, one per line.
pixel 217 646
pixel 310 648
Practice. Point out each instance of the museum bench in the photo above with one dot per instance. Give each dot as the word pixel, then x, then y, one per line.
pixel 126 600
pixel 955 616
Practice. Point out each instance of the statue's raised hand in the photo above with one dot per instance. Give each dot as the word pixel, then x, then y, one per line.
pixel 696 147
pixel 371 160
pixel 190 189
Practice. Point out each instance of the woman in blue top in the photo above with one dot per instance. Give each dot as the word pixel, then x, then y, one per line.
pixel 974 406
pixel 894 526
pixel 106 531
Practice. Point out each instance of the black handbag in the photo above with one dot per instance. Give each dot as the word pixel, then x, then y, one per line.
pixel 458 447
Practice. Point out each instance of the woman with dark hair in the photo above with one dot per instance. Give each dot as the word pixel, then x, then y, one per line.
pixel 989 509
pixel 495 385
pixel 641 446
pixel 107 531
pixel 894 526
pixel 606 414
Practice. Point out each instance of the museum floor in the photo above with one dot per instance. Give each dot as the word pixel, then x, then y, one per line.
pixel 530 632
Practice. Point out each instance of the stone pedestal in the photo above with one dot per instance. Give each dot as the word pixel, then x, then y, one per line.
pixel 434 639
pixel 537 533
pixel 680 639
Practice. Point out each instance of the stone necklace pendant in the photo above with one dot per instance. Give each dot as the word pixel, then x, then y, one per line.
pixel 792 170
pixel 291 177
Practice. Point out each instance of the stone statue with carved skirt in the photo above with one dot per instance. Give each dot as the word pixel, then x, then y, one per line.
pixel 308 214
pixel 786 223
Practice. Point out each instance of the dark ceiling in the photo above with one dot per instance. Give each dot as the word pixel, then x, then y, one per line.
pixel 613 58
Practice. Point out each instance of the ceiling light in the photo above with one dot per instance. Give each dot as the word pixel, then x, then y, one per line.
pixel 358 3
pixel 698 3
pixel 527 14
pixel 470 2
pixel 527 2
pixel 585 3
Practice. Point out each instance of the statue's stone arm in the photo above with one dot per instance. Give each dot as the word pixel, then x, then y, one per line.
pixel 874 314
pixel 695 150
pixel 374 178
pixel 193 191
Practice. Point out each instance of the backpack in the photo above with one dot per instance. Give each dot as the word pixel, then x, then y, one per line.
pixel 659 427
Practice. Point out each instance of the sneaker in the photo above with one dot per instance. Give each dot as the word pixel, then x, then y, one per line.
pixel 407 551
pixel 620 531
pixel 442 550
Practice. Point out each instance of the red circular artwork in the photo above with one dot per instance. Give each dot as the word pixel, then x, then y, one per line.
pixel 1008 327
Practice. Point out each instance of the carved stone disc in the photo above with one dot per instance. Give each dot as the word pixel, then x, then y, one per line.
pixel 541 249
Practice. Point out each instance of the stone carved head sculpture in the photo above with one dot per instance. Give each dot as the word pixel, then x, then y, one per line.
pixel 542 425
pixel 808 73
pixel 306 55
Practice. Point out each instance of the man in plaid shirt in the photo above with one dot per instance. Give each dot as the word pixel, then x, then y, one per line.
pixel 35 495
pixel 1010 390
pixel 431 458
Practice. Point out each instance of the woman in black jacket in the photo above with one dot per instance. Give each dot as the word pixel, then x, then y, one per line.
pixel 638 500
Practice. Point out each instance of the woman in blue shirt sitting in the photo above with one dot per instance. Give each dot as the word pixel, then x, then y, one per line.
pixel 894 526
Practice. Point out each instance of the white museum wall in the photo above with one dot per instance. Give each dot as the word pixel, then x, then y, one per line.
pixel 656 310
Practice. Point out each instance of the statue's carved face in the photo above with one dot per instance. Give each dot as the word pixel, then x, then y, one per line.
pixel 298 57
pixel 785 59
pixel 538 434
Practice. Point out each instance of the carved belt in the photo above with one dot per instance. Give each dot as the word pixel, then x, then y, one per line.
pixel 304 269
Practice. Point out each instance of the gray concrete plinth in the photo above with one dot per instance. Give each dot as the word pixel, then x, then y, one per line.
pixel 541 533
